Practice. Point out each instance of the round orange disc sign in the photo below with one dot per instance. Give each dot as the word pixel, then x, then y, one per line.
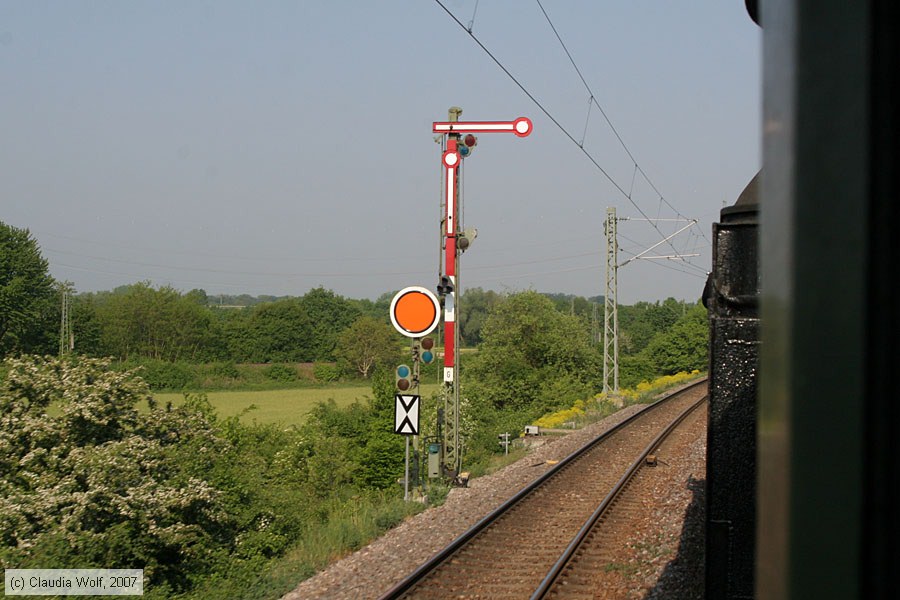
pixel 415 311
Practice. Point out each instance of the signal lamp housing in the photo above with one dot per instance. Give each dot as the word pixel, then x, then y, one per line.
pixel 466 144
pixel 445 286
pixel 465 239
pixel 403 378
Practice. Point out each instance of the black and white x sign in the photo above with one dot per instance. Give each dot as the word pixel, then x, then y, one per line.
pixel 406 414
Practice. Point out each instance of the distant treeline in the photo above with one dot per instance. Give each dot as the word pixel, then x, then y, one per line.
pixel 241 300
pixel 141 322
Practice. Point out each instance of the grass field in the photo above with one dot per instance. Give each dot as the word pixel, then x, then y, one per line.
pixel 288 407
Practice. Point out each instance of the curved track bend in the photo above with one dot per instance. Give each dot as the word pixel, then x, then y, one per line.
pixel 513 551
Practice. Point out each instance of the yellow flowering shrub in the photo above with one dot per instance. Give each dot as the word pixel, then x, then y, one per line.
pixel 554 420
pixel 625 396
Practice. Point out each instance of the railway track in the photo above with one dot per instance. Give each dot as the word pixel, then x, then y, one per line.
pixel 526 546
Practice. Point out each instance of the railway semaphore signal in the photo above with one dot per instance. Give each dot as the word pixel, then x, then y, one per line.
pixel 460 141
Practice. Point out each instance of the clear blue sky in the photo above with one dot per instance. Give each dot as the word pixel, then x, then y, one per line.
pixel 269 148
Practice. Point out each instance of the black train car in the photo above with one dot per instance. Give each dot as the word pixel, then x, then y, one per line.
pixel 732 298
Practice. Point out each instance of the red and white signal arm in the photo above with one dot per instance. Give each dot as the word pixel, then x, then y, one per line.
pixel 522 127
pixel 415 311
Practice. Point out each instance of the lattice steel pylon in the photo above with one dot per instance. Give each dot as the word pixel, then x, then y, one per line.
pixel 66 336
pixel 611 305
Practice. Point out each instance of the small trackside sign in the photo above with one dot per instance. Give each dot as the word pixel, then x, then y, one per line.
pixel 406 414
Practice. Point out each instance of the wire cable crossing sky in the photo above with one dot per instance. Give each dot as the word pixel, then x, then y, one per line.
pixel 271 150
pixel 580 144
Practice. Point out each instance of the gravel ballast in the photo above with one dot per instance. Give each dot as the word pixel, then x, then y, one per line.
pixel 372 570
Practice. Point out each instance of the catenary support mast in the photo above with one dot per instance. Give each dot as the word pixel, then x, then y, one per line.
pixel 611 306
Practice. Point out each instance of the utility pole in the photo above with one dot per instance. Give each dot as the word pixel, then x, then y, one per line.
pixel 461 141
pixel 66 336
pixel 611 305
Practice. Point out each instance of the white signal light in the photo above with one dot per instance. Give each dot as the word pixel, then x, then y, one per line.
pixel 451 159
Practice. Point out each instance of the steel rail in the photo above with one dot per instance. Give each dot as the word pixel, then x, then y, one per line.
pixel 431 564
pixel 567 555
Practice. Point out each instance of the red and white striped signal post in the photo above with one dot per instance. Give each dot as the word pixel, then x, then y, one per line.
pixel 460 142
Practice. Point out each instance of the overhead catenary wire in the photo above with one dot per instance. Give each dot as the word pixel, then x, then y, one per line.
pixel 594 267
pixel 231 272
pixel 293 275
pixel 593 99
pixel 681 265
pixel 555 121
pixel 591 102
pixel 291 258
pixel 687 247
pixel 262 274
pixel 472 21
pixel 533 99
pixel 167 279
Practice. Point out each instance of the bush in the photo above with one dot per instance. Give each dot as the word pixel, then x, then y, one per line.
pixel 383 457
pixel 326 372
pixel 118 486
pixel 281 372
pixel 561 417
pixel 224 369
pixel 635 369
pixel 162 374
pixel 602 404
pixel 481 442
pixel 209 507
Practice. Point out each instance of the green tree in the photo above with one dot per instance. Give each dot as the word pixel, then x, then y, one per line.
pixel 635 369
pixel 278 331
pixel 685 346
pixel 367 344
pixel 90 477
pixel 159 324
pixel 638 324
pixel 198 296
pixel 329 314
pixel 533 357
pixel 27 294
pixel 354 445
pixel 475 306
pixel 573 305
pixel 86 326
pixel 377 310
